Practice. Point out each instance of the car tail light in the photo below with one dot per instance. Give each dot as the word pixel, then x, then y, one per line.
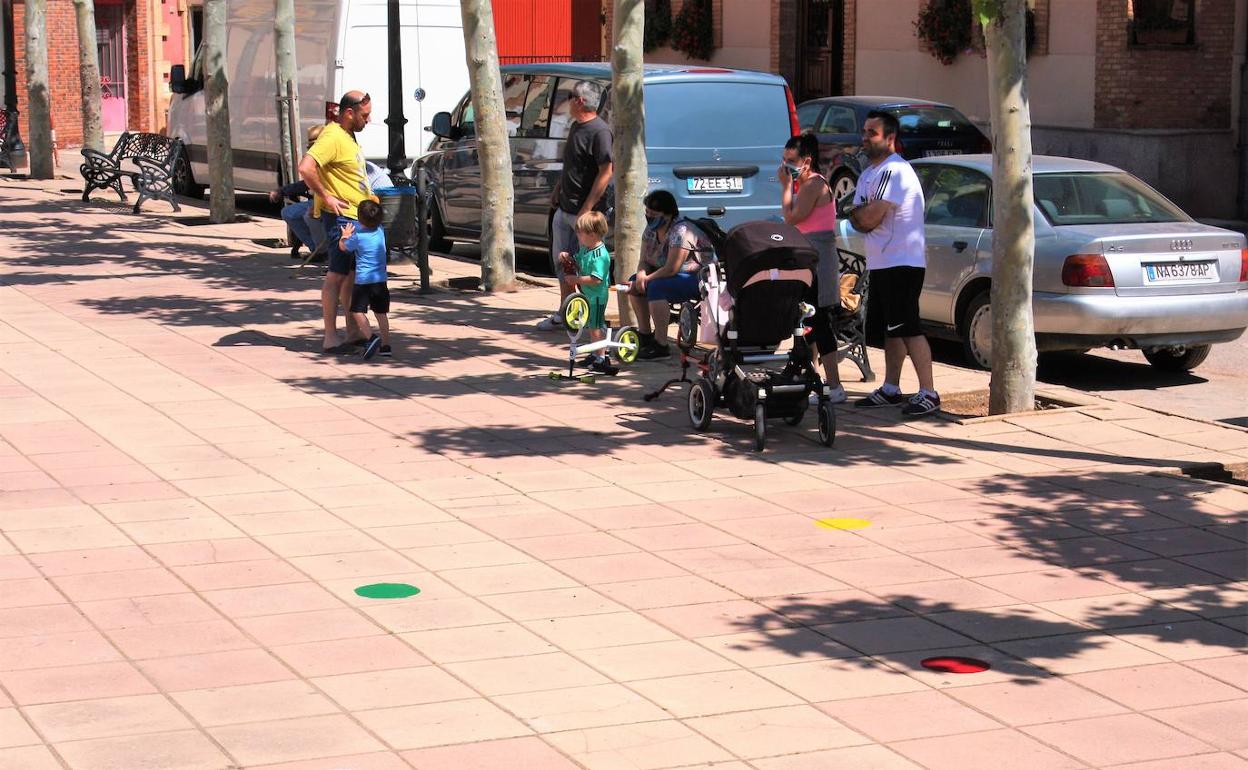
pixel 331 112
pixel 794 126
pixel 1087 270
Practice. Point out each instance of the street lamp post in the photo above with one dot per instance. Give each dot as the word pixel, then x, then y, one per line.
pixel 395 120
pixel 17 150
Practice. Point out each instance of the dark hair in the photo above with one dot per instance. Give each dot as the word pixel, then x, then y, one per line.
pixel 892 127
pixel 663 202
pixel 807 146
pixel 370 213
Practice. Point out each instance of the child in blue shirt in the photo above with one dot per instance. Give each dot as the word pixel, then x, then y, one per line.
pixel 370 291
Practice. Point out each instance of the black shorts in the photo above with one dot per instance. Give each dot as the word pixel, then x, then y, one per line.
pixel 897 291
pixel 370 296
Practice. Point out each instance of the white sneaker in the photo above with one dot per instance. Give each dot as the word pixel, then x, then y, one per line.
pixel 836 396
pixel 550 324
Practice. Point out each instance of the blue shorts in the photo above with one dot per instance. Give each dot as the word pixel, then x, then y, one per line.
pixel 682 287
pixel 339 261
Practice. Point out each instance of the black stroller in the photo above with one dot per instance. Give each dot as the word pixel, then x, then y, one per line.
pixel 751 302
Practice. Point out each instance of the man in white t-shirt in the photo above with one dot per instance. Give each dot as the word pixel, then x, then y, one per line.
pixel 888 207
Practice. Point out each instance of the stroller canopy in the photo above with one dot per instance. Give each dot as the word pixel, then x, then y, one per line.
pixel 754 246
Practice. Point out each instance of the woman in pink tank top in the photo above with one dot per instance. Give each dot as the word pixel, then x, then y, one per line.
pixel 807 205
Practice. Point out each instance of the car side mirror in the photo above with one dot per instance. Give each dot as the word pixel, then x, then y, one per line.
pixel 442 126
pixel 177 79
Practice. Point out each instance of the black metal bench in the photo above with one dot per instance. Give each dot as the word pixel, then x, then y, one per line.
pixel 851 321
pixel 152 160
pixel 8 137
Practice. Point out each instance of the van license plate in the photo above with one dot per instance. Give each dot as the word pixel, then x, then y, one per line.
pixel 1181 272
pixel 699 185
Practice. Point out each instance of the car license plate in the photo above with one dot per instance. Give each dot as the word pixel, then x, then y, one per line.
pixel 940 153
pixel 1181 272
pixel 699 185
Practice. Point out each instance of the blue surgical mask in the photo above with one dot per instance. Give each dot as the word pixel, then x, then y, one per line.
pixel 654 222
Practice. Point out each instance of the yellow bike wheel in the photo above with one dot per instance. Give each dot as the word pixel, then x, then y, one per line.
pixel 576 312
pixel 630 343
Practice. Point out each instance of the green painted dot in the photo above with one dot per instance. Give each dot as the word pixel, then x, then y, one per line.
pixel 387 591
pixel 843 523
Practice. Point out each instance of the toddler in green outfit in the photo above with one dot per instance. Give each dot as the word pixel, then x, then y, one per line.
pixel 589 269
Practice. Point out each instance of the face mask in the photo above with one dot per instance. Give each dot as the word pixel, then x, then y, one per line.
pixel 794 171
pixel 654 222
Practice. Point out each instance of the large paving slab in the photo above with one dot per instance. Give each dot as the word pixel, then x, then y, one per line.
pixel 190 493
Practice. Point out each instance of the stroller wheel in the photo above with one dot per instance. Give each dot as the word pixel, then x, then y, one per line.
pixel 827 423
pixel 575 311
pixel 631 342
pixel 687 330
pixel 760 426
pixel 701 403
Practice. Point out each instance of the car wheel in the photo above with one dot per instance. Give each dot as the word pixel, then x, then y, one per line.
pixel 1179 358
pixel 183 180
pixel 437 231
pixel 977 332
pixel 843 184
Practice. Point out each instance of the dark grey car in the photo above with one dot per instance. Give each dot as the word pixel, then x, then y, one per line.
pixel 928 129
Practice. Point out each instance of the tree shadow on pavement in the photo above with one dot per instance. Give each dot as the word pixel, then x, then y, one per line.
pixel 1077 562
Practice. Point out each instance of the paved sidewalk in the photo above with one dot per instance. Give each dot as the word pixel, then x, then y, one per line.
pixel 190 495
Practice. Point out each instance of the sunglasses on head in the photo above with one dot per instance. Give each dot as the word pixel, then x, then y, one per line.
pixel 347 102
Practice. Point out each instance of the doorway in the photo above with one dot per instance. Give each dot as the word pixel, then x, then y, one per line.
pixel 110 39
pixel 821 46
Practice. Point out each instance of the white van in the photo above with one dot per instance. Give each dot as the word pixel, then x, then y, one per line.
pixel 340 45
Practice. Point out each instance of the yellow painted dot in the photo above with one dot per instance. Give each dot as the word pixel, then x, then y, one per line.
pixel 843 523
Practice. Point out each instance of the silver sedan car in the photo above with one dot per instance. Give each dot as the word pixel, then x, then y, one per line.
pixel 1116 264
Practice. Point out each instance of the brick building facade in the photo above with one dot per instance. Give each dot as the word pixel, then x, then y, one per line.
pixel 1165 107
pixel 1165 86
pixel 137 41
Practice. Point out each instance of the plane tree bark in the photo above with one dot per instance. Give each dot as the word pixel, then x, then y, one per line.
pixel 628 129
pixel 1014 239
pixel 498 239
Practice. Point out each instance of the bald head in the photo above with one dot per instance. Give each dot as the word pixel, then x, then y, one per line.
pixel 354 109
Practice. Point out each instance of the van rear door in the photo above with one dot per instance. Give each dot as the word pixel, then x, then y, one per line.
pixel 716 143
pixel 433 61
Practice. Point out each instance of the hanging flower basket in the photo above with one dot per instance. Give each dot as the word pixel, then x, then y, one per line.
pixel 693 32
pixel 944 28
pixel 658 24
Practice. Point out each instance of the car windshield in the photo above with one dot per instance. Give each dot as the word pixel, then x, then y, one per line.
pixel 1101 198
pixel 929 119
pixel 708 114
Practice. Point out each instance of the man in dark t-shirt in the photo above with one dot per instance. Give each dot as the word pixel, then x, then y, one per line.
pixel 587 169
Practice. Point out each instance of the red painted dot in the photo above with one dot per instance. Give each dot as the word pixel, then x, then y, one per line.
pixel 956 665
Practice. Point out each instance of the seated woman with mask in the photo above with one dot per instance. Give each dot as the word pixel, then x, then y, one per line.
pixel 671 255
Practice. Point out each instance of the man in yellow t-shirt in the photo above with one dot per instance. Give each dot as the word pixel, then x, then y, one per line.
pixel 333 169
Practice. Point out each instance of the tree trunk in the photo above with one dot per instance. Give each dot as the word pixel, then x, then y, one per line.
pixel 89 75
pixel 1014 239
pixel 217 112
pixel 290 136
pixel 39 111
pixel 498 240
pixel 628 129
